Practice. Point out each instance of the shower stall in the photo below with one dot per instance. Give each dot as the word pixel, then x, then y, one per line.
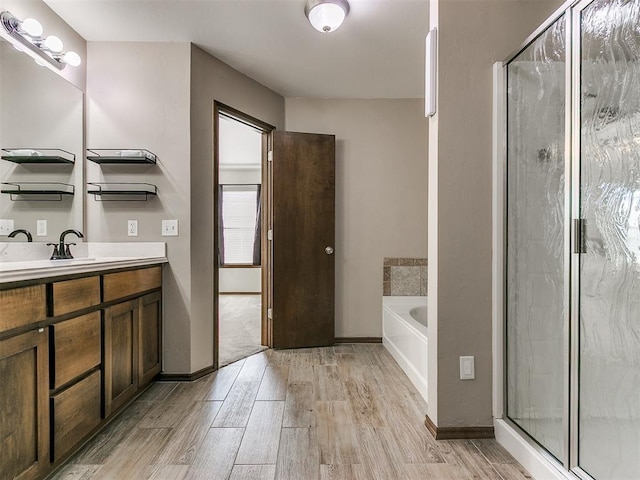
pixel 568 216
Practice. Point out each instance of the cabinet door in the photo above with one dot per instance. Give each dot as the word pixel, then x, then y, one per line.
pixel 24 407
pixel 120 354
pixel 150 338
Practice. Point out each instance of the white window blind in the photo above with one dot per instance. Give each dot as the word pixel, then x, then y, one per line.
pixel 239 214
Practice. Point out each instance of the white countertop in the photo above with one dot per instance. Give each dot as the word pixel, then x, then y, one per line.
pixel 24 261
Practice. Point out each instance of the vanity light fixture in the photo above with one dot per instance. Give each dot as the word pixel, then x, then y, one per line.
pixel 28 33
pixel 326 15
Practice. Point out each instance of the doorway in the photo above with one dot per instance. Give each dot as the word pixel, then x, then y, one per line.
pixel 275 223
pixel 241 191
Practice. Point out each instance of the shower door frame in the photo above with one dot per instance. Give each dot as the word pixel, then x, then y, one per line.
pixel 567 466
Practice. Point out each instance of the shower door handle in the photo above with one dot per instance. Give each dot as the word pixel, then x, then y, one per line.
pixel 579 237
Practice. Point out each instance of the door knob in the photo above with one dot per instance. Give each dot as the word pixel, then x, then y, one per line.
pixel 328 250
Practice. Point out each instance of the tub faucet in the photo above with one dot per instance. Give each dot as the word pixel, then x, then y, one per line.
pixel 22 230
pixel 61 251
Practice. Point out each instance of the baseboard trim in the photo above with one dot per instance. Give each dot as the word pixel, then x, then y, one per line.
pixel 358 339
pixel 457 433
pixel 184 377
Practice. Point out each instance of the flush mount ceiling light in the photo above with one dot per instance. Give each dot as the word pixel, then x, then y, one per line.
pixel 326 15
pixel 28 33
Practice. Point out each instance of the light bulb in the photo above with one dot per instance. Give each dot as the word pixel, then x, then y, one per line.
pixel 326 17
pixel 53 43
pixel 31 27
pixel 72 58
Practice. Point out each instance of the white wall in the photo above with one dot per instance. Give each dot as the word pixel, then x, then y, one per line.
pixel 240 280
pixel 381 195
pixel 239 144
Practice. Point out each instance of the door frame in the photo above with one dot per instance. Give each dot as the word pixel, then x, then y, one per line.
pixel 219 109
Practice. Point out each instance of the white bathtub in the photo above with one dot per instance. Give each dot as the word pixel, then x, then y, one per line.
pixel 406 338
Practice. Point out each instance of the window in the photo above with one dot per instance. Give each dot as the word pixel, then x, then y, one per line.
pixel 240 224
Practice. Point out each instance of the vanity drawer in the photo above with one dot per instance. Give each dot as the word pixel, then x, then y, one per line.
pixel 123 284
pixel 76 347
pixel 73 295
pixel 75 413
pixel 22 306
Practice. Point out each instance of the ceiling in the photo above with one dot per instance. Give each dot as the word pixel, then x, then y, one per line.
pixel 377 53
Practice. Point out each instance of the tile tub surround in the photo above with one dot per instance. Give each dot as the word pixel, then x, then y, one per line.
pixel 404 277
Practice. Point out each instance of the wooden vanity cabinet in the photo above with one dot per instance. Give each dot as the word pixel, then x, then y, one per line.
pixel 72 353
pixel 24 405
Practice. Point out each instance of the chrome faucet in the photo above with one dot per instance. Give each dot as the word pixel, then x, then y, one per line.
pixel 22 230
pixel 62 251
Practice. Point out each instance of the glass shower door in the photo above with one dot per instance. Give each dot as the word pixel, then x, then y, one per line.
pixel 609 295
pixel 536 252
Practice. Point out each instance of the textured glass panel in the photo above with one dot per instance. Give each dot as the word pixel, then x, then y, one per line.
pixel 535 287
pixel 609 411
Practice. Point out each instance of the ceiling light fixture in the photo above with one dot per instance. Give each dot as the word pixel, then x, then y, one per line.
pixel 326 15
pixel 28 33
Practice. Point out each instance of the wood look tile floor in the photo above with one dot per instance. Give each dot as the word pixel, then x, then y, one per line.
pixel 338 413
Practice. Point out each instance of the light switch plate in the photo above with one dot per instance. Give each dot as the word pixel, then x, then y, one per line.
pixel 169 228
pixel 41 228
pixel 467 368
pixel 132 228
pixel 6 226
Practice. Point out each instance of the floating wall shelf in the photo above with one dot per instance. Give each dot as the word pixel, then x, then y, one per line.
pixel 38 155
pixel 37 191
pixel 122 157
pixel 122 191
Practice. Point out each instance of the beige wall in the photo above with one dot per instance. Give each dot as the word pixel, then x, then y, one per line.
pixel 138 97
pixel 160 96
pixel 52 24
pixel 473 34
pixel 213 80
pixel 381 195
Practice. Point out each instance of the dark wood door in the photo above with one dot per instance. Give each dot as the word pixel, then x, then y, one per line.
pixel 303 263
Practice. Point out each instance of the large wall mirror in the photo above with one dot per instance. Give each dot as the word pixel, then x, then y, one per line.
pixel 41 137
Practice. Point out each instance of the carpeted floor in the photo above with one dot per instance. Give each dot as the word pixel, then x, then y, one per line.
pixel 239 327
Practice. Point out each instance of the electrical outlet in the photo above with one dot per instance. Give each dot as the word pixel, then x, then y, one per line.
pixel 6 226
pixel 41 228
pixel 169 228
pixel 467 368
pixel 132 228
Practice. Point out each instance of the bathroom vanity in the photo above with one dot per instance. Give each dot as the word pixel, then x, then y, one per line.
pixel 78 341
